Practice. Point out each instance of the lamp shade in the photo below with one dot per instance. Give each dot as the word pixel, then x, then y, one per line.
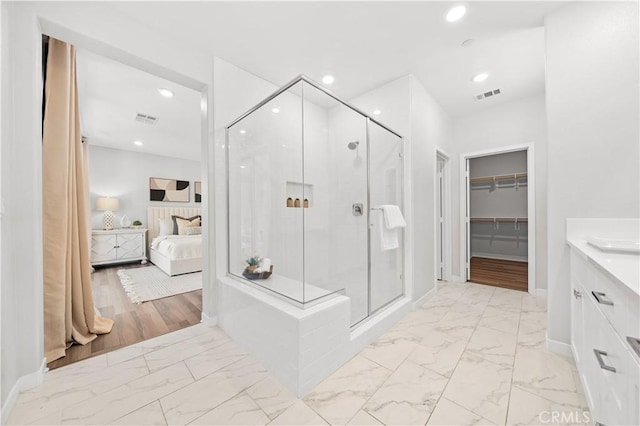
pixel 107 203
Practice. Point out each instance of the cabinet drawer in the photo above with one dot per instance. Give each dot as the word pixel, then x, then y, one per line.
pixel 616 392
pixel 618 304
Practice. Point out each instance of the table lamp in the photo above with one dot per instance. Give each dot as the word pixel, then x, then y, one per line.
pixel 107 205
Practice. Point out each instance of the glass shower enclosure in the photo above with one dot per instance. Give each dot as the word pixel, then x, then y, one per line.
pixel 306 176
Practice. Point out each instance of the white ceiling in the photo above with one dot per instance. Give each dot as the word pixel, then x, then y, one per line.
pixel 363 44
pixel 110 96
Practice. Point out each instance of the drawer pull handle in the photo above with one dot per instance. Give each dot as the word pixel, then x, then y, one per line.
pixel 576 294
pixel 601 361
pixel 600 298
pixel 635 344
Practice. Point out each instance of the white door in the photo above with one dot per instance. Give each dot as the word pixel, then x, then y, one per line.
pixel 440 219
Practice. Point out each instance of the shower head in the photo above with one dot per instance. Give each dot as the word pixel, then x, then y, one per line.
pixel 353 145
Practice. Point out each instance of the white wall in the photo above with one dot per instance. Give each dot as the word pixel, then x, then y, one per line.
pixel 3 100
pixel 125 175
pixel 89 26
pixel 514 123
pixel 431 128
pixel 592 114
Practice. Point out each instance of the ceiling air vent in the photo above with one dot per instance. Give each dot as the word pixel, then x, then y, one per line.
pixel 488 94
pixel 144 118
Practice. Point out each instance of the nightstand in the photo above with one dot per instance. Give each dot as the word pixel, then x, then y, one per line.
pixel 118 246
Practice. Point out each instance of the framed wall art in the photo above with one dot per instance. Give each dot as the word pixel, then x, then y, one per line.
pixel 168 190
pixel 197 188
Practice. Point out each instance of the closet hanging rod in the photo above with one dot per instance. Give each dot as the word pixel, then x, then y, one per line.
pixel 499 219
pixel 511 176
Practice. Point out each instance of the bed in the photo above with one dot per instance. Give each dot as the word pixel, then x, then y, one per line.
pixel 173 254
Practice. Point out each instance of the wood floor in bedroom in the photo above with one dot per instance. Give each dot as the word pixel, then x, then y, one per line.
pixel 133 323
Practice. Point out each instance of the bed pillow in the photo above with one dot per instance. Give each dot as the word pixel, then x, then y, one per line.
pixel 175 223
pixel 192 230
pixel 165 227
pixel 183 224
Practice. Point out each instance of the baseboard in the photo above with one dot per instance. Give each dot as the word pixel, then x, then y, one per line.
pixel 210 321
pixel 428 295
pixel 541 292
pixel 559 347
pixel 23 383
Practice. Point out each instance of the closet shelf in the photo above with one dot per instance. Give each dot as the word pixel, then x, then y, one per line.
pixel 511 176
pixel 499 219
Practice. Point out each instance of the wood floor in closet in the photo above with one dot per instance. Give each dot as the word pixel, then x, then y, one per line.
pixel 133 323
pixel 500 273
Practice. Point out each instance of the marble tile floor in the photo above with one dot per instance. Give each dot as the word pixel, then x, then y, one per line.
pixel 472 355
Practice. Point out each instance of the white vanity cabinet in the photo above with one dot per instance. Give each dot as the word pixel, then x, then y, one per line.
pixel 604 312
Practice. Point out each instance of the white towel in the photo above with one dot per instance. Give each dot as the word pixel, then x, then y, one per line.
pixel 393 216
pixel 390 220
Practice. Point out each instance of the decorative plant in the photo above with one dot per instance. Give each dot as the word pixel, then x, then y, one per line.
pixel 254 262
pixel 137 223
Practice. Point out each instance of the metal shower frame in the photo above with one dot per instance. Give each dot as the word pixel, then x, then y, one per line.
pixel 369 119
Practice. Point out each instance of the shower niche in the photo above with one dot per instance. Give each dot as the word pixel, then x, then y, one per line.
pixel 299 195
pixel 304 147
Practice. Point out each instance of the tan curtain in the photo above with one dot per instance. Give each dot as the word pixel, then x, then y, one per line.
pixel 69 313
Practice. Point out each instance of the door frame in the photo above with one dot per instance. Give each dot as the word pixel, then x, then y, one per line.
pixel 447 270
pixel 531 208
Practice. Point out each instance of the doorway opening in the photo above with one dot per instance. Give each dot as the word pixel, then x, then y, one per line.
pixel 498 218
pixel 142 136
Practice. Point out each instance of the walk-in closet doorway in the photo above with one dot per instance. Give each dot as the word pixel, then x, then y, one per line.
pixel 498 217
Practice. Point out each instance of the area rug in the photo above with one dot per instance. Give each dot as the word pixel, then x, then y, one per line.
pixel 150 283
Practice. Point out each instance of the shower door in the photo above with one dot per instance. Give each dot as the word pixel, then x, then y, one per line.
pixel 385 187
pixel 335 224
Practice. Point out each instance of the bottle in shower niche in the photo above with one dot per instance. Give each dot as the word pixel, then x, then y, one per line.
pixel 297 202
pixel 306 203
pixel 289 202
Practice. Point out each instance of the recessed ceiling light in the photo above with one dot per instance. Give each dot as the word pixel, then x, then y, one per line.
pixel 138 143
pixel 377 112
pixel 275 110
pixel 242 167
pixel 478 78
pixel 166 93
pixel 328 79
pixel 456 13
pixel 242 131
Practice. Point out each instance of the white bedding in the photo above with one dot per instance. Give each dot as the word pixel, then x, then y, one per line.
pixel 178 246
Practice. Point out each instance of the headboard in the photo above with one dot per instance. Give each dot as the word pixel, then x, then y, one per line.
pixel 155 213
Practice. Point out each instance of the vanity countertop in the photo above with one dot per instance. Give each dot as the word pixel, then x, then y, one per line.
pixel 624 267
